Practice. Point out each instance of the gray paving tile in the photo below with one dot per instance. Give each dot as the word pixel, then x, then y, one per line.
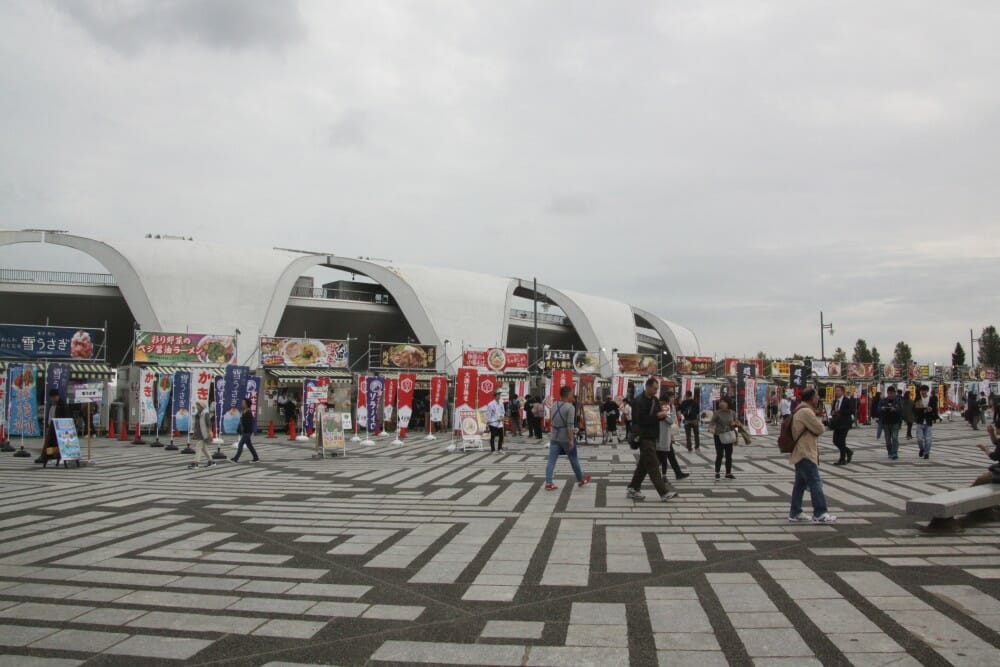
pixel 289 629
pixel 80 640
pixel 393 612
pixel 40 611
pixel 164 648
pixel 190 622
pixel 449 654
pixel 514 629
pixel 36 661
pixel 109 616
pixel 22 635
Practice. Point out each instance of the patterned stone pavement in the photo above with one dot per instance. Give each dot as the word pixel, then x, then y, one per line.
pixel 417 555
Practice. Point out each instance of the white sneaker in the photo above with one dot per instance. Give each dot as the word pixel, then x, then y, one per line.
pixel 632 494
pixel 667 496
pixel 802 516
pixel 826 518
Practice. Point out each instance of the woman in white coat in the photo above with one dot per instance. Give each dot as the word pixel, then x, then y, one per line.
pixel 665 443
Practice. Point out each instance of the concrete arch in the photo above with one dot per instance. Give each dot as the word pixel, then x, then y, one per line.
pixel 680 341
pixel 129 282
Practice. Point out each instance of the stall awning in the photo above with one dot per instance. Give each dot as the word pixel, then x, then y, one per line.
pixel 170 370
pixel 336 375
pixel 90 371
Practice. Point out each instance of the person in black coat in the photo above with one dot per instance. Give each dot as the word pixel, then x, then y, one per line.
pixel 57 410
pixel 841 418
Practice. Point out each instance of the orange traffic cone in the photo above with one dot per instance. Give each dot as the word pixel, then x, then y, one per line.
pixel 138 434
pixel 291 430
pixel 111 429
pixel 270 429
pixel 309 433
pixel 124 433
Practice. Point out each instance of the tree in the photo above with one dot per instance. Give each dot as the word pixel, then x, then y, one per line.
pixel 862 354
pixel 958 356
pixel 876 357
pixel 903 355
pixel 839 355
pixel 989 348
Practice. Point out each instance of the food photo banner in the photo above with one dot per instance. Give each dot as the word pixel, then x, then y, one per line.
pixel 180 348
pixel 303 352
pixel 859 370
pixel 23 400
pixel 695 365
pixel 37 342
pixel 731 366
pixel 497 359
pixel 580 362
pixel 826 369
pixel 408 356
pixel 637 364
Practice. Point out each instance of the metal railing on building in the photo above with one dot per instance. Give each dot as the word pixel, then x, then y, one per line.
pixel 57 277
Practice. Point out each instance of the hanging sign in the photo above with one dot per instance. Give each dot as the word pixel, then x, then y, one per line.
pixel 42 342
pixel 92 392
pixel 183 348
pixel 560 379
pixel 487 385
pixel 439 397
pixel 580 362
pixel 497 359
pixel 695 365
pixel 391 356
pixel 636 364
pixel 860 370
pixel 303 352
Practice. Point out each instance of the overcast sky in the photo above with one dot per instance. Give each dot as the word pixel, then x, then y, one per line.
pixel 735 167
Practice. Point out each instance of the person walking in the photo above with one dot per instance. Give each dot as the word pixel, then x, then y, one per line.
pixel 723 427
pixel 891 409
pixel 806 429
pixel 926 408
pixel 494 419
pixel 908 415
pixel 841 420
pixel 563 438
pixel 536 413
pixel 626 416
pixel 246 430
pixel 647 414
pixel 665 443
pixel 691 411
pixel 611 412
pixel 515 415
pixel 972 410
pixel 202 436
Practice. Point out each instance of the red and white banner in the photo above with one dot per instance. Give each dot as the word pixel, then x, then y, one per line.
pixel 487 385
pixel 389 398
pixel 439 397
pixel 756 423
pixel 466 387
pixel 687 384
pixel 201 381
pixel 404 400
pixel 619 385
pixel 362 400
pixel 497 359
pixel 560 379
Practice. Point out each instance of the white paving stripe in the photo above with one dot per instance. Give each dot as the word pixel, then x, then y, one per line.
pixel 681 629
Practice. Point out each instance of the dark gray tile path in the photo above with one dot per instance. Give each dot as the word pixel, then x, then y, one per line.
pixel 416 555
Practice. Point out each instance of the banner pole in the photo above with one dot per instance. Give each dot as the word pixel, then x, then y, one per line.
pixel 88 432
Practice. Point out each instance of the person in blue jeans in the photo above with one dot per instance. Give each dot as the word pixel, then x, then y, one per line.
pixel 806 429
pixel 891 409
pixel 246 428
pixel 563 440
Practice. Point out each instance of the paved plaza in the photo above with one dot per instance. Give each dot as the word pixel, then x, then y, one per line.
pixel 416 555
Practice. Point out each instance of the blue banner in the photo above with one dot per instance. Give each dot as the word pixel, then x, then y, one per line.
pixel 181 401
pixel 40 342
pixel 234 390
pixel 308 407
pixel 57 377
pixel 23 400
pixel 220 386
pixel 375 386
pixel 253 395
pixel 706 397
pixel 164 388
pixel 762 396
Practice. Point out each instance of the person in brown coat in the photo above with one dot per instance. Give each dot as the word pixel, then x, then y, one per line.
pixel 806 429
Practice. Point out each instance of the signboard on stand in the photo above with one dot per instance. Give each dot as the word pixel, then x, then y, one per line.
pixel 332 424
pixel 66 437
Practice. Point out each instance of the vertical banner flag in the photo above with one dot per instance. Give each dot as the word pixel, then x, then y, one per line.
pixel 560 379
pixel 407 383
pixel 798 376
pixel 312 393
pixel 586 393
pixel 756 423
pixel 234 389
pixel 619 385
pixel 389 399
pixel 362 400
pixel 147 388
pixel 201 383
pixel 439 396
pixel 181 400
pixel 743 371
pixel 705 400
pixel 466 387
pixel 687 384
pixel 374 387
pixel 220 388
pixel 3 399
pixel 164 388
pixel 23 400
pixel 253 396
pixel 57 377
pixel 487 385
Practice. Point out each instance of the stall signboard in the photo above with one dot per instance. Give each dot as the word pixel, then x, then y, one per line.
pixel 91 392
pixel 637 364
pixel 303 352
pixel 40 342
pixel 468 422
pixel 23 400
pixel 577 361
pixel 919 371
pixel 183 348
pixel 147 387
pixel 234 390
pixel 586 394
pixel 181 400
pixel 799 376
pixel 404 356
pixel 859 370
pixel 374 387
pixel 439 395
pixel 695 365
pixel 497 359
pixel 892 372
pixel 66 438
pixel 826 369
pixel 332 423
pixel 780 369
pixel 731 366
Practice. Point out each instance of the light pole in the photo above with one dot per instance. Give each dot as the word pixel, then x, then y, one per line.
pixel 822 330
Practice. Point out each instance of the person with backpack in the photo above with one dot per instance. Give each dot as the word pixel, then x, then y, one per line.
pixel 691 411
pixel 647 414
pixel 515 415
pixel 202 435
pixel 891 409
pixel 563 440
pixel 806 428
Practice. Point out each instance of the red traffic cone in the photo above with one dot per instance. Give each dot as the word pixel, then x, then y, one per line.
pixel 291 430
pixel 124 434
pixel 111 429
pixel 137 440
pixel 402 433
pixel 270 429
pixel 309 432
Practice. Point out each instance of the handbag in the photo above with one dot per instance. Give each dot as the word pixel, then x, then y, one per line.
pixel 727 437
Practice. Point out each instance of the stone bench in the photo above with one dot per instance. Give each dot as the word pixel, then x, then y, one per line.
pixel 953 503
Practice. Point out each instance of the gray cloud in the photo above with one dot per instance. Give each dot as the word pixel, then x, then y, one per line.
pixel 129 26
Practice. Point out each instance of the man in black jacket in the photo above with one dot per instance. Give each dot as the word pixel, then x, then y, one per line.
pixel 691 412
pixel 841 418
pixel 926 409
pixel 50 447
pixel 646 416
